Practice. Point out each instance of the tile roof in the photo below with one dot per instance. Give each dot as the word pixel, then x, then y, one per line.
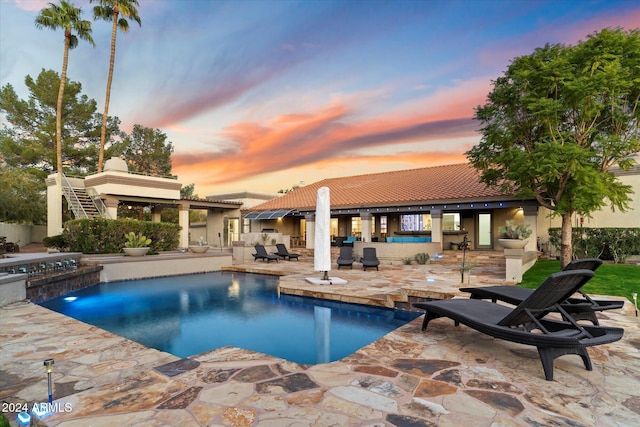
pixel 431 185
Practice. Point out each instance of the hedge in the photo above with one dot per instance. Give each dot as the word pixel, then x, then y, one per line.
pixel 615 244
pixel 107 236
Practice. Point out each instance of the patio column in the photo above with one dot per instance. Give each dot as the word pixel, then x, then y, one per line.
pixel 156 214
pixel 183 221
pixel 112 207
pixel 311 230
pixel 54 204
pixel 436 226
pixel 531 217
pixel 365 218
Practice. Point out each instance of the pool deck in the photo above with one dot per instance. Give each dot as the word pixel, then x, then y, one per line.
pixel 447 376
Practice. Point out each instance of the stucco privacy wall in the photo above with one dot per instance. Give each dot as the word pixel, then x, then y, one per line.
pixel 23 234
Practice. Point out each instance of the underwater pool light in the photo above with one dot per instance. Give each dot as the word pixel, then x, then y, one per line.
pixel 70 299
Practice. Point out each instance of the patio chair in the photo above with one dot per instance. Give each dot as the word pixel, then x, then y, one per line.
pixel 261 253
pixel 349 241
pixel 583 308
pixel 346 257
pixel 525 324
pixel 284 253
pixel 369 258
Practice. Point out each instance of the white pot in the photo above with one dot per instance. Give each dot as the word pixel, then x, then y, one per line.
pixel 136 251
pixel 197 249
pixel 513 243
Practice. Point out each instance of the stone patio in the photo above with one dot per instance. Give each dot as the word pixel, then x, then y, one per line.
pixel 446 376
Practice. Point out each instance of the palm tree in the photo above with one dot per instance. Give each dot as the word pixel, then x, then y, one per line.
pixel 65 16
pixel 117 11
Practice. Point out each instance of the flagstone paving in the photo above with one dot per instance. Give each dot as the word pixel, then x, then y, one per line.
pixel 446 376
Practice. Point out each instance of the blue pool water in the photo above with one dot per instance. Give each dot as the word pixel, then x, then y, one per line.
pixel 188 315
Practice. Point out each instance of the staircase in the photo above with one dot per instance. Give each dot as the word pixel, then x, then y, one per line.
pixel 80 202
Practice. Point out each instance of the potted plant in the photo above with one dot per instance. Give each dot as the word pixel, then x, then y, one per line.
pixel 136 244
pixel 514 236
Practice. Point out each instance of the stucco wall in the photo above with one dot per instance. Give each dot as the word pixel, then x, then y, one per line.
pixel 23 234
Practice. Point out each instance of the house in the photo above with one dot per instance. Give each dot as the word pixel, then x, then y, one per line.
pixel 436 205
pixel 100 194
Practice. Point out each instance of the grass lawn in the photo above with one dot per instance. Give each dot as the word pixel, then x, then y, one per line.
pixel 610 279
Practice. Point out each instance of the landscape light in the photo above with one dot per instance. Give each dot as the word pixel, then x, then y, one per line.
pixel 24 418
pixel 48 366
pixel 635 302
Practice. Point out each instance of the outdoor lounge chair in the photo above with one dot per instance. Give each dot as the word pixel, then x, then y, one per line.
pixel 346 257
pixel 284 253
pixel 261 253
pixel 583 308
pixel 369 258
pixel 349 241
pixel 525 324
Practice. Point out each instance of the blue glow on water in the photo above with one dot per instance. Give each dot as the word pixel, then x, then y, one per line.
pixel 188 315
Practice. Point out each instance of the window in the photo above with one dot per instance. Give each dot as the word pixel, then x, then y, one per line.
pixel 415 222
pixel 356 226
pixel 383 225
pixel 451 221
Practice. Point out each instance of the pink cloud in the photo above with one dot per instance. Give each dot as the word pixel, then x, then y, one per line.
pixel 330 135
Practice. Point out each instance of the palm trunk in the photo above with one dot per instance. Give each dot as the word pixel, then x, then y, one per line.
pixel 63 79
pixel 112 59
pixel 566 249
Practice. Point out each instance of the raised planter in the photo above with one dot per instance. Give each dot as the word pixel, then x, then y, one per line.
pixel 513 243
pixel 198 249
pixel 136 251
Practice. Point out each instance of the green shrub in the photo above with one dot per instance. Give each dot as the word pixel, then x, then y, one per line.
pixel 605 243
pixel 407 261
pixel 422 258
pixel 3 421
pixel 105 236
pixel 56 242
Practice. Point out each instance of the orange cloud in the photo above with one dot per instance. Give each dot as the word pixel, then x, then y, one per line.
pixel 295 140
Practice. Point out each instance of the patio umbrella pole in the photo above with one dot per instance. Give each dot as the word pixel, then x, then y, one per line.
pixel 325 276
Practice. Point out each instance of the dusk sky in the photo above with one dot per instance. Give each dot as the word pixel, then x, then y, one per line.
pixel 261 95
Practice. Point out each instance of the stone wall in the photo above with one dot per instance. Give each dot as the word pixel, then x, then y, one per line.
pixel 50 286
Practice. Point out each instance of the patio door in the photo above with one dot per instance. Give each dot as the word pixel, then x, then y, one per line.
pixel 484 238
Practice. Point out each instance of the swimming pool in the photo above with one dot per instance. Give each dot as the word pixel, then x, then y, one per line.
pixel 188 315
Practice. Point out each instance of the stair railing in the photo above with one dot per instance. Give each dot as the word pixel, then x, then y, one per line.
pixel 71 196
pixel 98 203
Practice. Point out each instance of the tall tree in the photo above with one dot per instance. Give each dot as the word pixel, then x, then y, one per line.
pixel 68 17
pixel 28 137
pixel 22 195
pixel 556 122
pixel 117 11
pixel 148 151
